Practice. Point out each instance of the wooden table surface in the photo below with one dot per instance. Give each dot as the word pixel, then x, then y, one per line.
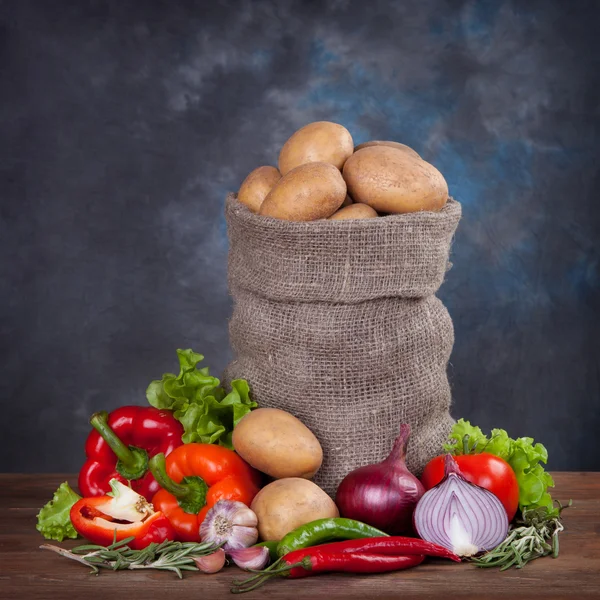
pixel 27 572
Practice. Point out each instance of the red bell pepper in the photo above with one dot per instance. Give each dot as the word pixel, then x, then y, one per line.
pixel 196 476
pixel 106 519
pixel 121 446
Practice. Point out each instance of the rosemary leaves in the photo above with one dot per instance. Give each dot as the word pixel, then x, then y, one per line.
pixel 166 556
pixel 534 535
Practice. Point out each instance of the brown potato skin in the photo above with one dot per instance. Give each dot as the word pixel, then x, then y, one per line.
pixel 391 181
pixel 285 504
pixel 278 444
pixel 396 145
pixel 354 211
pixel 257 185
pixel 321 141
pixel 347 201
pixel 307 193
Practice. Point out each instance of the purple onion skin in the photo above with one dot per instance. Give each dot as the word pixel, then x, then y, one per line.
pixel 385 494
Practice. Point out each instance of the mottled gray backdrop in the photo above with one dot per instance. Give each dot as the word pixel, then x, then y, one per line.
pixel 124 124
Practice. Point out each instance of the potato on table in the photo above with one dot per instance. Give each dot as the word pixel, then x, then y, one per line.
pixel 286 504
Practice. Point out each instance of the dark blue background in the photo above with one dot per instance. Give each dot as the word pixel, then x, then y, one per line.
pixel 125 123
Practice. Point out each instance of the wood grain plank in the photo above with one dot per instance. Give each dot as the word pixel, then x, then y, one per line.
pixel 27 572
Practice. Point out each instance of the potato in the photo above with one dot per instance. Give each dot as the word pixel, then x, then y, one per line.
pixel 391 181
pixel 396 145
pixel 347 201
pixel 354 211
pixel 321 141
pixel 278 444
pixel 308 192
pixel 288 503
pixel 257 185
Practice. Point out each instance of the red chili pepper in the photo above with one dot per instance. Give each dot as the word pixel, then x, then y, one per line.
pixel 121 446
pixel 347 562
pixel 103 519
pixel 314 560
pixel 391 546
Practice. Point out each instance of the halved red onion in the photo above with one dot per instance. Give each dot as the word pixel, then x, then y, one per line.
pixel 459 515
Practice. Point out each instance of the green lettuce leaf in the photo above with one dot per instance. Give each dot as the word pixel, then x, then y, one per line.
pixel 207 412
pixel 54 522
pixel 522 455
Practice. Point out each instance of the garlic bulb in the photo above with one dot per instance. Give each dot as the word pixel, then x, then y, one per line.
pixel 231 524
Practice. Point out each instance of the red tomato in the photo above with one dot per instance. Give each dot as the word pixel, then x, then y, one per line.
pixel 485 470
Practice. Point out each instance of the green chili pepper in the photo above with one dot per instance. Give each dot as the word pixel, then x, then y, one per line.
pixel 272 547
pixel 325 530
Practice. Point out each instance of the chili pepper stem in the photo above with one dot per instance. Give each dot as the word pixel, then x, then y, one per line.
pixel 190 493
pixel 132 461
pixel 262 577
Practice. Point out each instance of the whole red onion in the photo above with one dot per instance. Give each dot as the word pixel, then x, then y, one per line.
pixel 385 494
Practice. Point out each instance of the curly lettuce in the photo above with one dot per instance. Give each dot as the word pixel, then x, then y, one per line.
pixel 54 521
pixel 207 412
pixel 521 454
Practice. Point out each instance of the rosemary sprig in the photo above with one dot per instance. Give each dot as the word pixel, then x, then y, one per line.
pixel 166 556
pixel 534 535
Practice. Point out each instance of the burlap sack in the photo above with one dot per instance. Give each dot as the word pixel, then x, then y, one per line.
pixel 337 323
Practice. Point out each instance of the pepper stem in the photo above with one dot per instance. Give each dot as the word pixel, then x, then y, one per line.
pixel 132 462
pixel 190 493
pixel 158 468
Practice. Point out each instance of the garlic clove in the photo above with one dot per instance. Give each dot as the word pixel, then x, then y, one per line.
pixel 211 563
pixel 245 517
pixel 254 558
pixel 243 537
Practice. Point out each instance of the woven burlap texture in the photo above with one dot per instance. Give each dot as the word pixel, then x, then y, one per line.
pixel 337 323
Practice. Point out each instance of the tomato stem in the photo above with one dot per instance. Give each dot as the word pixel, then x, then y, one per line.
pixel 465 441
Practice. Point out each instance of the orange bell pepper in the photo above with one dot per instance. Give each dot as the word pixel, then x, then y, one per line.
pixel 196 476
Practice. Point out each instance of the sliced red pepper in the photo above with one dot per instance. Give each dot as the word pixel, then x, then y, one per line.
pixel 121 445
pixel 194 478
pixel 97 519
